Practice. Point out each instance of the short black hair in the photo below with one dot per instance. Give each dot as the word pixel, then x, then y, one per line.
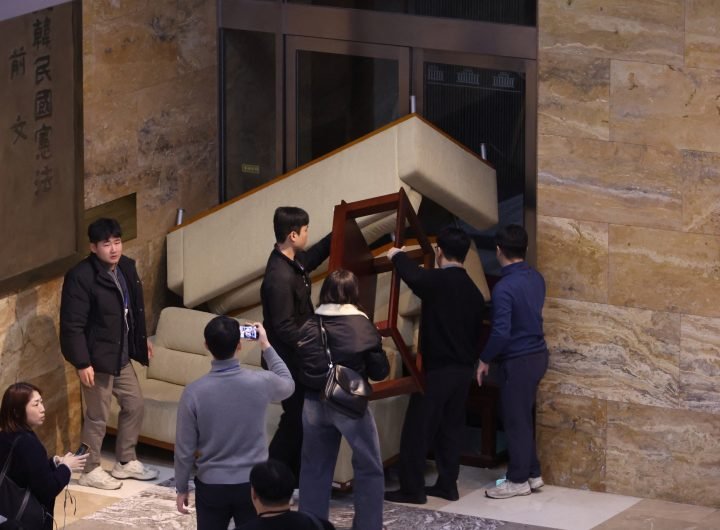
pixel 103 229
pixel 512 241
pixel 454 243
pixel 273 482
pixel 289 219
pixel 222 335
pixel 340 287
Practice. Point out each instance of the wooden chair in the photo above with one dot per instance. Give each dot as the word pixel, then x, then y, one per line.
pixel 350 251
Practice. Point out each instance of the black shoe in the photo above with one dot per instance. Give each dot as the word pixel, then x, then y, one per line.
pixel 407 498
pixel 436 491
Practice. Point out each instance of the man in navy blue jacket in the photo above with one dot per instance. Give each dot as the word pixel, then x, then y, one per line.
pixel 517 343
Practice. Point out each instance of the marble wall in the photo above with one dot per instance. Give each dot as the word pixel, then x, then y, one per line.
pixel 150 119
pixel 628 240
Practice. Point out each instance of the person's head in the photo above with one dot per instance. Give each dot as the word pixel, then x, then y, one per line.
pixel 512 242
pixel 105 237
pixel 454 244
pixel 272 483
pixel 222 337
pixel 291 226
pixel 340 287
pixel 22 408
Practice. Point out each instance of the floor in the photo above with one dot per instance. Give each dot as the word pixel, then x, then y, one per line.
pixel 552 507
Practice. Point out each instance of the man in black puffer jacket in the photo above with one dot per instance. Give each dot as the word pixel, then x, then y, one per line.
pixel 285 295
pixel 102 327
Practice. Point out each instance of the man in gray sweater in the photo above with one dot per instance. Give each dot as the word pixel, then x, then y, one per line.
pixel 221 427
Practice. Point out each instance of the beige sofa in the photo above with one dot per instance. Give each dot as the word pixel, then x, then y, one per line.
pixel 181 357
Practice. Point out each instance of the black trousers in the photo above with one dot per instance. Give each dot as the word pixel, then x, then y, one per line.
pixel 216 504
pixel 519 379
pixel 286 445
pixel 435 419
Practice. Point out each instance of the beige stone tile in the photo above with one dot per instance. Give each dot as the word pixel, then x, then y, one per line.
pixel 702 51
pixel 612 182
pixel 671 510
pixel 637 30
pixel 110 148
pixel 99 11
pixel 702 34
pixel 664 106
pixel 701 193
pixel 713 519
pixel 628 520
pixel 176 147
pixel 663 454
pixel 664 270
pixel 573 257
pixel 573 96
pixel 635 362
pixel 197 36
pixel 133 52
pixel 700 364
pixel 571 440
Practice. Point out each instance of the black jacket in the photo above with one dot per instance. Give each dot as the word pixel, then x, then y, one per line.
pixel 452 312
pixel 32 468
pixel 92 320
pixel 353 340
pixel 285 295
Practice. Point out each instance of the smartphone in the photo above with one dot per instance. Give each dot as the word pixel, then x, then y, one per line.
pixel 84 448
pixel 248 332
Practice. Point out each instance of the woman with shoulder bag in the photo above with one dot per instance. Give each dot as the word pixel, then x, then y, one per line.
pixel 21 411
pixel 353 342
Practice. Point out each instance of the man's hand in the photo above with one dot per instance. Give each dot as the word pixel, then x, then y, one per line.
pixel 394 250
pixel 182 502
pixel 482 369
pixel 87 376
pixel 150 349
pixel 262 335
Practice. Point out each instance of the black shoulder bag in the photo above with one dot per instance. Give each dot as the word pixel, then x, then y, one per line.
pixel 345 390
pixel 18 504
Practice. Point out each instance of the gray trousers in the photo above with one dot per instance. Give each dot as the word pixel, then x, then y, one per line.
pixel 96 399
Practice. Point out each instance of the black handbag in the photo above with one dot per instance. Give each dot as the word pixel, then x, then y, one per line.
pixel 345 390
pixel 18 504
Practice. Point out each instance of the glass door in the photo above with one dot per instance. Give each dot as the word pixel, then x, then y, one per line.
pixel 338 91
pixel 483 102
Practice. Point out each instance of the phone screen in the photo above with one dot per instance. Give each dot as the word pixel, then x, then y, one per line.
pixel 248 332
pixel 84 448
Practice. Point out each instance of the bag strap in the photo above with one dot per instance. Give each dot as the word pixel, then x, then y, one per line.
pixel 323 335
pixel 8 460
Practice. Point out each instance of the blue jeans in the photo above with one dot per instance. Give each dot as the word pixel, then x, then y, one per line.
pixel 322 431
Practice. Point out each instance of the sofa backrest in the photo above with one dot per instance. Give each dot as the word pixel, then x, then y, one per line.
pixel 180 355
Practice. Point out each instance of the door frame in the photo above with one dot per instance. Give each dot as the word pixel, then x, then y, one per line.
pixel 294 44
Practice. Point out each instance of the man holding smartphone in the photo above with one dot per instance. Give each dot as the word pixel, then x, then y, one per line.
pixel 221 427
pixel 102 327
pixel 285 295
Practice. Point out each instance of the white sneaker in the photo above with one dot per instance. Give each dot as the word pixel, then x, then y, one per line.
pixel 536 483
pixel 99 478
pixel 134 469
pixel 507 489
